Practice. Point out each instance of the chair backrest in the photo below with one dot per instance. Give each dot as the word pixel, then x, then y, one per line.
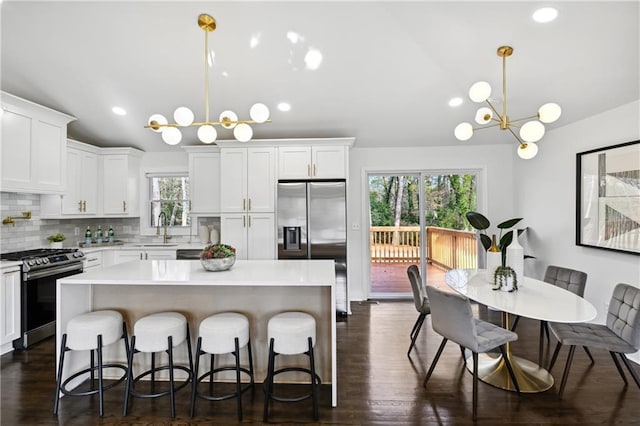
pixel 419 293
pixel 569 279
pixel 623 317
pixel 452 317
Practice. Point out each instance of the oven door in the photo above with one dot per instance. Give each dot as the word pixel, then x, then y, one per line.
pixel 38 299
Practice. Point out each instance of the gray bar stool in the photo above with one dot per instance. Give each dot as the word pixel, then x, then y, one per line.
pixel 224 333
pixel 291 333
pixel 159 332
pixel 91 332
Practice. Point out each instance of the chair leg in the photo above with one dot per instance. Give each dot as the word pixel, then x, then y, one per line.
pixel 464 355
pixel 238 382
pixel 588 352
pixel 515 323
pixel 619 367
pixel 100 382
pixel 567 367
pixel 129 380
pixel 56 399
pixel 510 369
pixel 434 362
pixel 630 368
pixel 415 331
pixel 172 396
pixel 543 328
pixel 475 385
pixel 555 355
pixel 269 384
pixel 314 387
pixel 194 382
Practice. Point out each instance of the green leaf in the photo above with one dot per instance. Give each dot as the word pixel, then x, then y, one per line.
pixel 486 241
pixel 505 240
pixel 509 223
pixel 478 221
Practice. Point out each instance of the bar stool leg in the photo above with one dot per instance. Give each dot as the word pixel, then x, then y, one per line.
pixel 314 390
pixel 171 390
pixel 238 383
pixel 129 385
pixel 63 346
pixel 194 382
pixel 100 382
pixel 269 390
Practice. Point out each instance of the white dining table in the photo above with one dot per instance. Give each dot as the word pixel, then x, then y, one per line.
pixel 534 299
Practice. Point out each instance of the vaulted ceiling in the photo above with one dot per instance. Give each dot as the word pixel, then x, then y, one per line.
pixel 387 73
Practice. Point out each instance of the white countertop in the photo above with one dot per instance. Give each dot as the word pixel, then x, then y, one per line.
pixel 534 298
pixel 190 272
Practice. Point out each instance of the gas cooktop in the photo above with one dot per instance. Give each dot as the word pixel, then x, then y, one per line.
pixel 35 253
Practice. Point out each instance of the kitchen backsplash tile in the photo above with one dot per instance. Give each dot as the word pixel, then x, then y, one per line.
pixel 32 233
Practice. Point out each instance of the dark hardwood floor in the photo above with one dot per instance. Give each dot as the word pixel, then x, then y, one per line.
pixel 378 385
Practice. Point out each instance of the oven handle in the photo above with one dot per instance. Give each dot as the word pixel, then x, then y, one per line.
pixel 53 271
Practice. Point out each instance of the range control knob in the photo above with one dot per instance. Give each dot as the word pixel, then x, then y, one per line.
pixel 45 260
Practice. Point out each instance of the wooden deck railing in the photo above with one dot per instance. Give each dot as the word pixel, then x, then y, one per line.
pixel 446 248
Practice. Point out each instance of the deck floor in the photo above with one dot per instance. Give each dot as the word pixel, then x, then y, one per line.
pixel 392 277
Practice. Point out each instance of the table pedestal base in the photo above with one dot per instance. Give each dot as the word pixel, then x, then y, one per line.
pixel 492 370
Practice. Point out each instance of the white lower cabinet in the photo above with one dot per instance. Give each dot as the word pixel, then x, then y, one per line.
pixel 253 235
pixel 145 254
pixel 9 308
pixel 92 261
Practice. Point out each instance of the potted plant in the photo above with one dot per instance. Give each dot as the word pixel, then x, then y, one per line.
pixel 505 279
pixel 56 240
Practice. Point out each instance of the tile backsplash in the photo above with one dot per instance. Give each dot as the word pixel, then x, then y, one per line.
pixel 32 233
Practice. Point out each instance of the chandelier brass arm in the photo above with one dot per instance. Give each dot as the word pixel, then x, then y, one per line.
pixel 529 133
pixel 207 133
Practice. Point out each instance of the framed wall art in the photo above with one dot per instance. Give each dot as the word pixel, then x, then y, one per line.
pixel 608 198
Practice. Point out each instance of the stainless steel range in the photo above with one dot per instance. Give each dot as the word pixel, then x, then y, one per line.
pixel 40 270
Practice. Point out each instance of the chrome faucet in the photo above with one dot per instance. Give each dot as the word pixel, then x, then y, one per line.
pixel 162 216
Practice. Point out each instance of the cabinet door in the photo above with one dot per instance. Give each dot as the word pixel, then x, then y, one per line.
pixel 129 255
pixel 261 180
pixel 89 182
pixel 72 199
pixel 294 162
pixel 10 306
pixel 204 182
pixel 49 154
pixel 328 162
pixel 261 239
pixel 233 231
pixel 16 150
pixel 160 254
pixel 233 180
pixel 114 184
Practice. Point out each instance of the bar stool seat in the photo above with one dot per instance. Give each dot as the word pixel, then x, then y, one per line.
pixel 291 333
pixel 159 332
pixel 91 332
pixel 224 333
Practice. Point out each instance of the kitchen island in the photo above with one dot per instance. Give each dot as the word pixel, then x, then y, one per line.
pixel 258 289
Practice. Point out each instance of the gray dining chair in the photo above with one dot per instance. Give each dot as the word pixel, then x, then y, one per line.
pixel 569 279
pixel 452 318
pixel 420 301
pixel 620 335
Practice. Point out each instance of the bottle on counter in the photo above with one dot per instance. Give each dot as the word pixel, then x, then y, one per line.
pixel 99 235
pixel 87 235
pixel 110 234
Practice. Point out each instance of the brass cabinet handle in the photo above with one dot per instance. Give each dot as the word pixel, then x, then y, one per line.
pixel 190 206
pixel 249 221
pixel 308 169
pixel 249 203
pixel 244 204
pixel 140 256
pixel 124 206
pixel 80 206
pixel 315 170
pixel 146 256
pixel 244 221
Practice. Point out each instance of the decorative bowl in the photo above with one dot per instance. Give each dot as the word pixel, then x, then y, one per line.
pixel 218 264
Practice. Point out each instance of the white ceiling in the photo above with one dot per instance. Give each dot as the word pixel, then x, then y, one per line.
pixel 388 70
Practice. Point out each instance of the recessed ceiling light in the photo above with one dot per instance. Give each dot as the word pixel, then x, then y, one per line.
pixel 454 102
pixel 119 110
pixel 545 14
pixel 284 106
pixel 313 59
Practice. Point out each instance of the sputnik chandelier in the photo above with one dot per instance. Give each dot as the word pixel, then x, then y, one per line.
pixel 207 133
pixel 530 132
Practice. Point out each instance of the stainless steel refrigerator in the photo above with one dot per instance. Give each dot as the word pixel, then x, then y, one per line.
pixel 312 224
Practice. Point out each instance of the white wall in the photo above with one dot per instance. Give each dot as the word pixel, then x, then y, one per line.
pixel 494 199
pixel 546 197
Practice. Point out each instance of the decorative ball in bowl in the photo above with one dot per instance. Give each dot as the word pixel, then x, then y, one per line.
pixel 218 257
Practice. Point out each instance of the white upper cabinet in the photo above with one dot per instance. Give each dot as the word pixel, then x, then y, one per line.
pixel 312 162
pixel 120 182
pixel 81 196
pixel 204 180
pixel 33 147
pixel 247 180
